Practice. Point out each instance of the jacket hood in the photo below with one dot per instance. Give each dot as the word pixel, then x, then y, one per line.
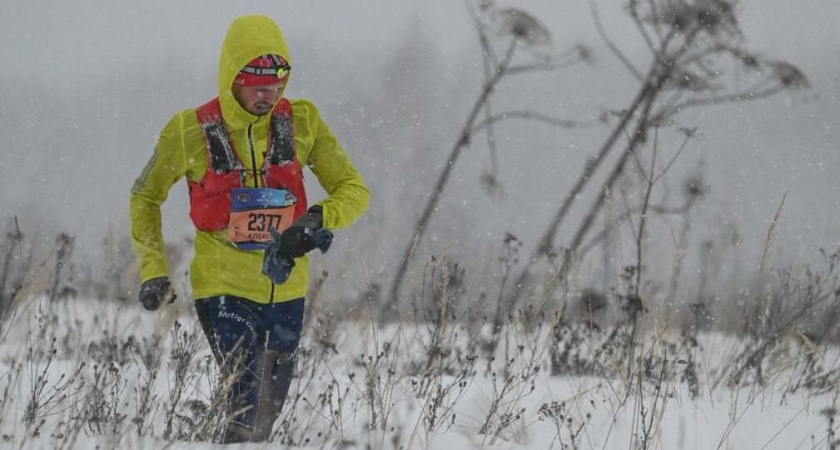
pixel 247 38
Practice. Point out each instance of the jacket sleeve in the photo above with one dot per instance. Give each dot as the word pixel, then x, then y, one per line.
pixel 150 189
pixel 347 194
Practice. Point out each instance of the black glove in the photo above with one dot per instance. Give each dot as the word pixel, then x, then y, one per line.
pixel 156 291
pixel 304 235
pixel 277 263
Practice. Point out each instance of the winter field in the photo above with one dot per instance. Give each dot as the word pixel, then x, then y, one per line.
pixel 85 373
pixel 577 239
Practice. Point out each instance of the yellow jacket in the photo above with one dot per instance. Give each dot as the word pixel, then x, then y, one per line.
pixel 219 268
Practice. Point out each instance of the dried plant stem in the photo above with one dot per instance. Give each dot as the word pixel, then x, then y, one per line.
pixel 461 143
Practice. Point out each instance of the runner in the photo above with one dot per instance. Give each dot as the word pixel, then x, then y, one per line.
pixel 242 154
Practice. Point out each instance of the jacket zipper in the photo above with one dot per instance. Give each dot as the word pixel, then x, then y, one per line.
pixel 256 185
pixel 253 158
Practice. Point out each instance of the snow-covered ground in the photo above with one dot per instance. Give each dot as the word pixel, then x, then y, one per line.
pixel 409 385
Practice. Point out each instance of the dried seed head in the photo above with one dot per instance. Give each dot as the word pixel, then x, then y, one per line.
pixel 523 26
pixel 584 53
pixel 715 17
pixel 829 412
pixel 490 182
pixel 789 75
pixel 695 186
pixel 686 80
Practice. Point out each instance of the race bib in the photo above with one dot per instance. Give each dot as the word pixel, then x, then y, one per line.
pixel 254 210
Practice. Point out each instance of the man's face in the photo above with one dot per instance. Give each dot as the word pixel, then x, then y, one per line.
pixel 258 100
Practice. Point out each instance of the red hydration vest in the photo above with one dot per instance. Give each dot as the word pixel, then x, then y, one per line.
pixel 210 198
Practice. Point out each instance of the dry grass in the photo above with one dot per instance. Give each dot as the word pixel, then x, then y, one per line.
pixel 102 368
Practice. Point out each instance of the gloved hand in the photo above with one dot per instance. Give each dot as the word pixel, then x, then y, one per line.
pixel 155 292
pixel 277 262
pixel 305 235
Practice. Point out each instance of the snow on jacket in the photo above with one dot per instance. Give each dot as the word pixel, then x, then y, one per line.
pixel 218 267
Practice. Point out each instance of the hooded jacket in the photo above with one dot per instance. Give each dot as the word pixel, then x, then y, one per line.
pixel 218 267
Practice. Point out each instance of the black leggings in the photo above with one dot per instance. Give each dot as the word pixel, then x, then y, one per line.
pixel 260 342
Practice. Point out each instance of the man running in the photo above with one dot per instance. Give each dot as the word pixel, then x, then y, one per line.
pixel 243 154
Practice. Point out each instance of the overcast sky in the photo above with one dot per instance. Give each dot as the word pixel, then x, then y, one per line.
pixel 86 87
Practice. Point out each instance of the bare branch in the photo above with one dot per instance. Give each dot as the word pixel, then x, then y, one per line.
pixel 660 71
pixel 579 53
pixel 530 115
pixel 490 180
pixel 630 67
pixel 627 208
pixel 636 157
pixel 547 240
pixel 654 10
pixel 544 66
pixel 634 13
pixel 643 215
pixel 674 99
pixel 480 28
pixel 689 133
pixel 443 179
pixel 724 99
pixel 658 209
pixel 639 136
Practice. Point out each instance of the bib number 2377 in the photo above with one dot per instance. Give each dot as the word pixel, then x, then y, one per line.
pixel 259 221
pixel 254 211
